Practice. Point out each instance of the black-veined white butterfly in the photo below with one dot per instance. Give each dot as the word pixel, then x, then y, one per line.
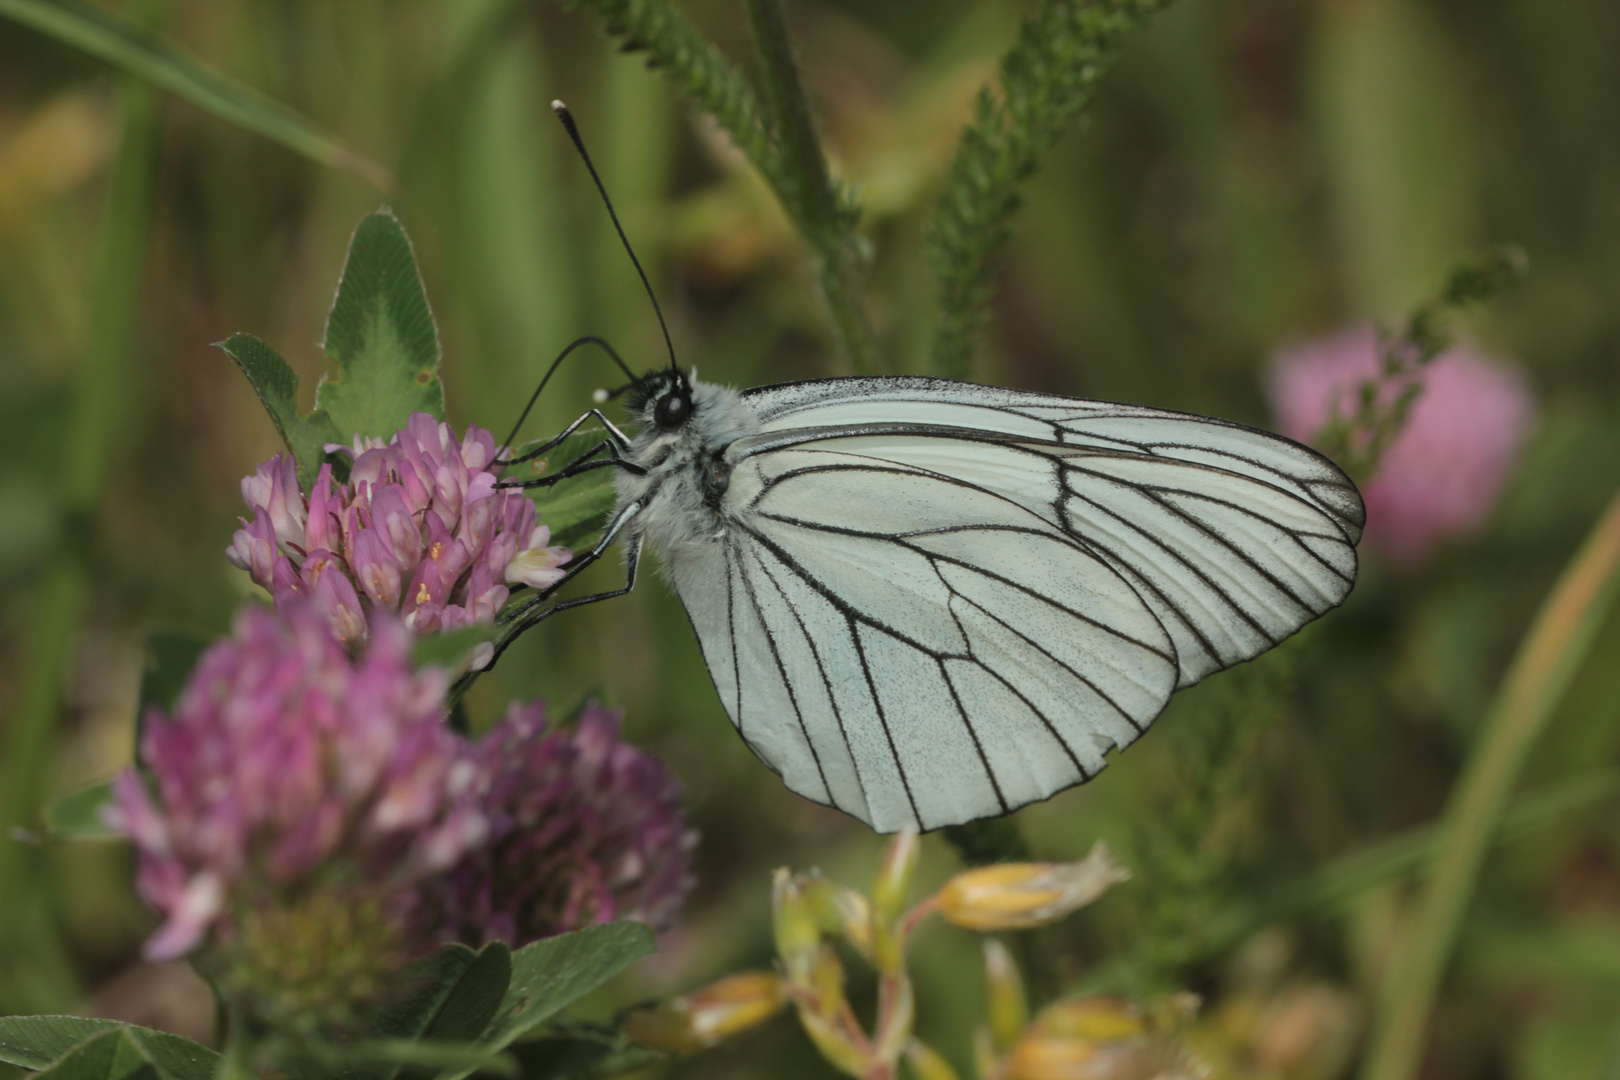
pixel 925 601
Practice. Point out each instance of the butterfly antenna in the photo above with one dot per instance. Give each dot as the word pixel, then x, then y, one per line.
pixel 589 339
pixel 567 119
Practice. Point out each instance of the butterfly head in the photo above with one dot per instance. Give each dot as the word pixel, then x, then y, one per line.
pixel 661 398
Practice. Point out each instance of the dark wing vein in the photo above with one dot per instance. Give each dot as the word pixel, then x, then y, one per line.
pixel 787 683
pixel 852 617
pixel 821 670
pixel 899 540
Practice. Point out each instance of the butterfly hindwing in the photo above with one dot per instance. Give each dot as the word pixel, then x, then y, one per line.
pixel 914 649
pixel 932 602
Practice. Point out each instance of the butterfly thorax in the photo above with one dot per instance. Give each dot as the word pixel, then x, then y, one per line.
pixel 687 468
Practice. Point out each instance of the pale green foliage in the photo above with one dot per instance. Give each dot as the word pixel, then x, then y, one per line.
pixel 1047 78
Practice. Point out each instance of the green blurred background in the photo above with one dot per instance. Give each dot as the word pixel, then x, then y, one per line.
pixel 1254 172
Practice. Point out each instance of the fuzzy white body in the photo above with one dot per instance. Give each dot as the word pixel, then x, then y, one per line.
pixel 685 470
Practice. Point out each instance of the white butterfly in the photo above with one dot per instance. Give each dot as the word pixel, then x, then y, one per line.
pixel 925 601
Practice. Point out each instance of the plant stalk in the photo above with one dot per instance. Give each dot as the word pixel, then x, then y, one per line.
pixel 102 393
pixel 1546 663
pixel 808 191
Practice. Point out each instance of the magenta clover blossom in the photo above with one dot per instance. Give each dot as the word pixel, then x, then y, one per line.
pixel 583 829
pixel 419 529
pixel 288 768
pixel 307 822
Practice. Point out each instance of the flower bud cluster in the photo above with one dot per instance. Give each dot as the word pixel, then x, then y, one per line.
pixel 419 528
pixel 810 913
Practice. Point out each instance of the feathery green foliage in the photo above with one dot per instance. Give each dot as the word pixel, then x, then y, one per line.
pixel 824 211
pixel 1188 845
pixel 780 140
pixel 1358 442
pixel 685 56
pixel 1047 78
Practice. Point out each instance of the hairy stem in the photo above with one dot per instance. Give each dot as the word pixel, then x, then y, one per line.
pixel 1048 78
pixel 781 141
pixel 820 209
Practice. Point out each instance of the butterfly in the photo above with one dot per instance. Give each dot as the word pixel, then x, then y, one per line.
pixel 925 601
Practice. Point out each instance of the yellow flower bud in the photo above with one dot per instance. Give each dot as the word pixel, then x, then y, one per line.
pixel 1097 1039
pixel 1007 1008
pixel 835 1044
pixel 894 877
pixel 837 910
pixel 927 1063
pixel 854 919
pixel 826 981
pixel 798 933
pixel 1044 1058
pixel 1099 1019
pixel 702 1019
pixel 1020 896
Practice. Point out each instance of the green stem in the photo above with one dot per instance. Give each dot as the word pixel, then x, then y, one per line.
pixel 1048 78
pixel 802 182
pixel 1547 661
pixel 102 394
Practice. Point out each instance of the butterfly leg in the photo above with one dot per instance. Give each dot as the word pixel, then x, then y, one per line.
pixel 535 610
pixel 582 464
pixel 618 437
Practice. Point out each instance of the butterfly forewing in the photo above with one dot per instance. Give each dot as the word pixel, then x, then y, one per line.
pixel 935 601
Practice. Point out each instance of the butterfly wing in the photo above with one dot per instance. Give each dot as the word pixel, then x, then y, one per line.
pixel 942 601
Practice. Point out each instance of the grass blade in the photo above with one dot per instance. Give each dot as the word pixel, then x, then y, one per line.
pixel 36 979
pixel 1551 654
pixel 141 52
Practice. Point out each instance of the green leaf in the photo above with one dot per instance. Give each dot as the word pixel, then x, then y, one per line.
pixel 577 508
pixel 111 1055
pixel 475 998
pixel 124 43
pixel 449 650
pixel 455 993
pixel 78 814
pixel 38 1042
pixel 385 1057
pixel 550 975
pixel 171 653
pixel 277 386
pixel 382 336
pixel 580 1050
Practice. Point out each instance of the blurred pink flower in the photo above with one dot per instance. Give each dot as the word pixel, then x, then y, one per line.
pixel 1441 476
pixel 583 828
pixel 419 529
pixel 289 769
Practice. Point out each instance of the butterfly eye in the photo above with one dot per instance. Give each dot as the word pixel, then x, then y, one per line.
pixel 672 410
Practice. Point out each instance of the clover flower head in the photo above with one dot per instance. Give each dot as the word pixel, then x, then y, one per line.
pixel 584 829
pixel 1441 476
pixel 419 528
pixel 298 791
